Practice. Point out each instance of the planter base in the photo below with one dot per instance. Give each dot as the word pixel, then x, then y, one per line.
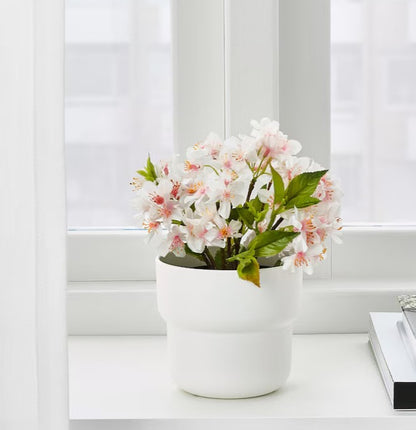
pixel 230 365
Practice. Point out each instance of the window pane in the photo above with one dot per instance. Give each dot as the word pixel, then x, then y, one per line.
pixel 373 108
pixel 118 103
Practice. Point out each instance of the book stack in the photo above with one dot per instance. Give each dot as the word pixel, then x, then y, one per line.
pixel 393 339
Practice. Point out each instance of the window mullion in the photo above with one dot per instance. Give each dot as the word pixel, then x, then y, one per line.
pixel 304 50
pixel 198 70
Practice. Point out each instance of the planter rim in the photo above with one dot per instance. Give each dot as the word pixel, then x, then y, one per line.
pixel 159 258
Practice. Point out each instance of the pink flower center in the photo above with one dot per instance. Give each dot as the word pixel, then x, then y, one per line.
pixel 321 233
pixel 158 199
pixel 226 195
pixel 176 243
pixel 193 188
pixel 214 153
pixel 202 233
pixel 189 167
pixel 261 227
pixel 300 259
pixel 166 210
pixel 307 225
pixel 238 156
pixel 228 164
pixel 225 232
pixel 310 238
pixel 266 151
pixel 151 226
pixel 175 189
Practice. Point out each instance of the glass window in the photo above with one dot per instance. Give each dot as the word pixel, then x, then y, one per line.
pixel 373 108
pixel 118 103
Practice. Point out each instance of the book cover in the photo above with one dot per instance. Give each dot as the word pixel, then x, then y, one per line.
pixel 394 358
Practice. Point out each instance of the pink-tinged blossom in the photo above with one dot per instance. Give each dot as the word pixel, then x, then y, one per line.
pixel 163 169
pixel 190 202
pixel 155 206
pixel 213 143
pixel 235 154
pixel 329 224
pixel 228 193
pixel 204 152
pixel 305 223
pixel 303 257
pixel 191 167
pixel 174 242
pixel 195 190
pixel 199 233
pixel 290 167
pixel 271 142
pixel 262 226
pixel 327 189
pixel 227 230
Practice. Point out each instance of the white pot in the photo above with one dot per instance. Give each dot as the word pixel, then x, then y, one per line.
pixel 226 337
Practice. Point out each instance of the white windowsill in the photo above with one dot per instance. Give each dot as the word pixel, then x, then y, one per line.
pixel 119 382
pixel 328 306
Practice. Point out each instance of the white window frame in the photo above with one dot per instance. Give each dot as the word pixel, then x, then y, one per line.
pixel 215 43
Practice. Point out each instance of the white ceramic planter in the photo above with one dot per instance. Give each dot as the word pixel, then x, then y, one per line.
pixel 226 337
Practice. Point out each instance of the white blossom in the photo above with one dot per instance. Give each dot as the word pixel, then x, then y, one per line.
pixel 195 203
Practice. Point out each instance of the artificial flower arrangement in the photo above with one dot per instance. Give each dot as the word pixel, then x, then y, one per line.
pixel 232 202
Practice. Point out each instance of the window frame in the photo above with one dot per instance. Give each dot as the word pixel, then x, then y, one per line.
pixel 111 272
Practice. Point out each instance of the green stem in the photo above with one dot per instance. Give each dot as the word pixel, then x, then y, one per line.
pixel 207 261
pixel 223 259
pixel 277 223
pixel 229 248
pixel 237 245
pixel 250 189
pixel 255 177
pixel 263 171
pixel 211 167
pixel 210 258
pixel 249 166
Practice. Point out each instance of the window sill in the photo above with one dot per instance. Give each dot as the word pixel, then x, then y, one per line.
pixel 328 306
pixel 117 382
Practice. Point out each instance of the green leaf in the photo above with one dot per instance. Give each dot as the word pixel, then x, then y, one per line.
pixel 261 215
pixel 267 244
pixel 145 175
pixel 255 206
pixel 234 214
pixel 149 172
pixel 287 228
pixel 245 255
pixel 303 185
pixel 271 242
pixel 176 221
pixel 247 216
pixel 249 270
pixel 301 202
pixel 257 210
pixel 151 168
pixel 278 186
